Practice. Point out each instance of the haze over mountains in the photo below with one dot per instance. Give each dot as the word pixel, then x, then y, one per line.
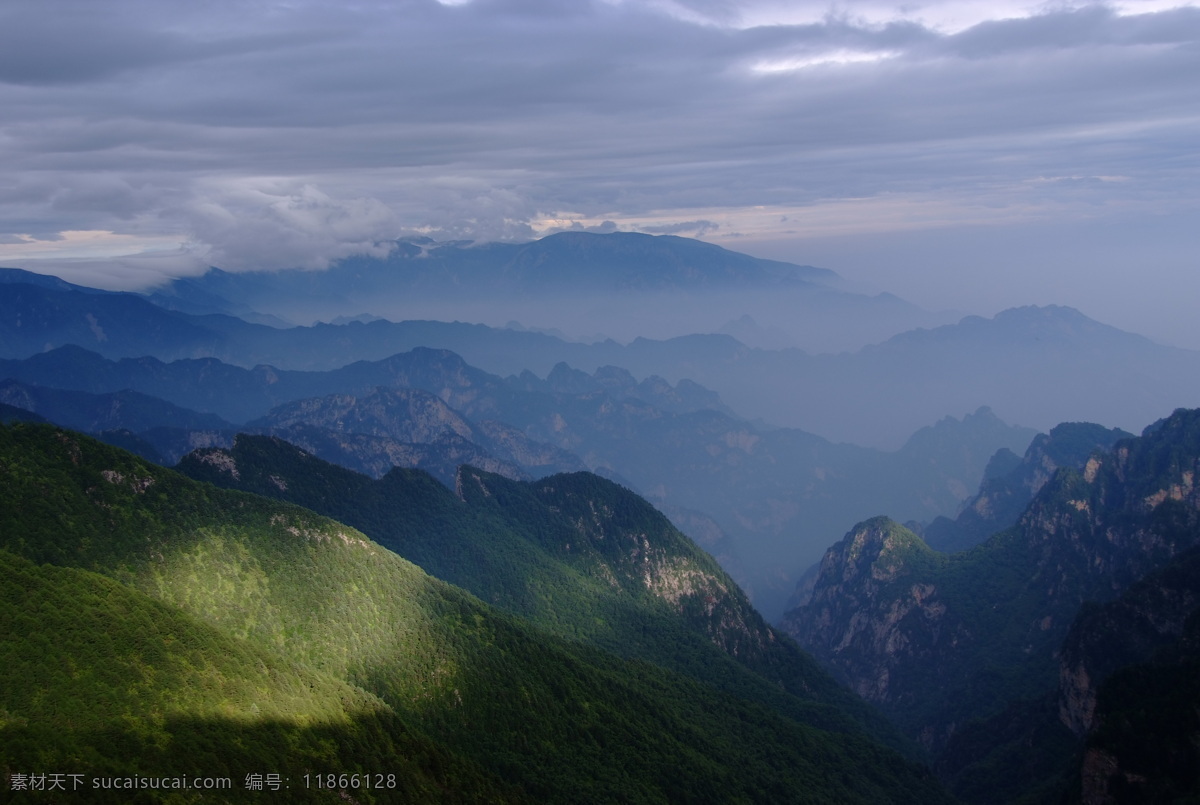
pixel 586 285
pixel 760 477
pixel 764 500
pixel 524 463
pixel 876 396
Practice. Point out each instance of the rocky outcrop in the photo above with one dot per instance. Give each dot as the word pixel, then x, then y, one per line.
pixel 1010 484
pixel 876 610
pixel 1105 638
pixel 938 639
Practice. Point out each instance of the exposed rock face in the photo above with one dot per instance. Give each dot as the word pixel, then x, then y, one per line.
pixel 405 427
pixel 875 610
pixel 616 536
pixel 1010 484
pixel 1105 638
pixel 937 639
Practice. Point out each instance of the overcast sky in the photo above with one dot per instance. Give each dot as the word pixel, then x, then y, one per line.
pixel 968 155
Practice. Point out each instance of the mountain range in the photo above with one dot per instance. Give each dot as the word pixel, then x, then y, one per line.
pixel 389 558
pixel 619 284
pixel 163 624
pixel 1082 370
pixel 977 654
pixel 763 499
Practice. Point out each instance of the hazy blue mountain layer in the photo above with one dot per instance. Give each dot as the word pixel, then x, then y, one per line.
pixel 621 284
pixel 764 500
pixel 1080 369
pixel 120 410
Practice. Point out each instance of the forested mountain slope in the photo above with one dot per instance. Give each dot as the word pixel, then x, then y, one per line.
pixel 577 554
pixel 229 632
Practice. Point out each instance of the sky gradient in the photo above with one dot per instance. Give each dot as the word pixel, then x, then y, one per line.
pixel 963 155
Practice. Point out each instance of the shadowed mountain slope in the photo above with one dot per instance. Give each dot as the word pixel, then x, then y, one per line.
pixel 939 641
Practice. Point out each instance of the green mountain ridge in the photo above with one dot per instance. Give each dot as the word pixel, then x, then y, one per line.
pixel 576 554
pixel 370 665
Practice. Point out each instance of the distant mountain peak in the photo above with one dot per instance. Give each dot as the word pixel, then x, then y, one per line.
pixel 635 259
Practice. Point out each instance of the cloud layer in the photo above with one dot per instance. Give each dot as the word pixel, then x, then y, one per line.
pixel 268 134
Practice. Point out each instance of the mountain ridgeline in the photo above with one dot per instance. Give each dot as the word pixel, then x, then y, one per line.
pixel 1078 365
pixel 1010 483
pixel 450 558
pixel 764 499
pixel 163 626
pixel 576 554
pixel 622 285
pixel 978 653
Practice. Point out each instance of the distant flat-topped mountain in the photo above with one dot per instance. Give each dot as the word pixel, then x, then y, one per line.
pixel 623 261
pixel 621 284
pixel 637 261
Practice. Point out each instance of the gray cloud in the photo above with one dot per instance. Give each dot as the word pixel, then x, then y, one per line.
pixel 301 227
pixel 694 228
pixel 271 135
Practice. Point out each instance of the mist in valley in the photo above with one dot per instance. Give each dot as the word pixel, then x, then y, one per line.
pixel 838 364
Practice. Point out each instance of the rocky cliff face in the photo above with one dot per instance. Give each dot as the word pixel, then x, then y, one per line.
pixel 937 639
pixel 876 611
pixel 607 533
pixel 637 548
pixel 1104 638
pixel 1010 484
pixel 1129 687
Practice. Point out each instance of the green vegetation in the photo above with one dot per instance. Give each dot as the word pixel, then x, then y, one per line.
pixel 98 679
pixel 577 555
pixel 152 624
